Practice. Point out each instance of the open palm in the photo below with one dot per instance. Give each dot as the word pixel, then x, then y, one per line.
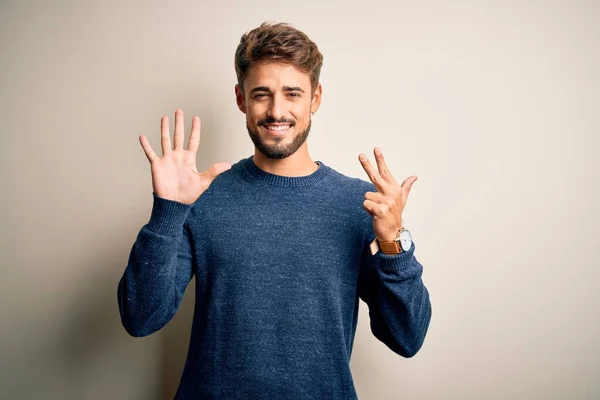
pixel 174 175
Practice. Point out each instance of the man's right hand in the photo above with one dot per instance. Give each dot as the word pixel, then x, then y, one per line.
pixel 174 175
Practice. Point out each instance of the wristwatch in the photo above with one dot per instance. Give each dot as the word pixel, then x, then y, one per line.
pixel 401 243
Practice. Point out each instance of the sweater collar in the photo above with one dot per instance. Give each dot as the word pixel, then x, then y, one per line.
pixel 284 181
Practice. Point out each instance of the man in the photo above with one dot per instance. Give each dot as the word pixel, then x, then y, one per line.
pixel 282 248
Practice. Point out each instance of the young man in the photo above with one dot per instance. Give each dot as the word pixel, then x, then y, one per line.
pixel 281 247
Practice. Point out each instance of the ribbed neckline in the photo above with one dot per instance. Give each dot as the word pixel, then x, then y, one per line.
pixel 284 181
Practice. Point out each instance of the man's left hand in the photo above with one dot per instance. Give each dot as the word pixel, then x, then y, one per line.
pixel 385 205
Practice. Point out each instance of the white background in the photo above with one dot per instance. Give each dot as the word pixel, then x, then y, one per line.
pixel 494 105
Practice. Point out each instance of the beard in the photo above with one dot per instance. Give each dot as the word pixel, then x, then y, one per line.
pixel 278 150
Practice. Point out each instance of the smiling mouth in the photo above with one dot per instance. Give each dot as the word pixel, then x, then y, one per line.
pixel 277 129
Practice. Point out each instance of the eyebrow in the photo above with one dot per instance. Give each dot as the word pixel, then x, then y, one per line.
pixel 285 89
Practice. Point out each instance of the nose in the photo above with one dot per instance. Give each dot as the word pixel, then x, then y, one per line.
pixel 276 108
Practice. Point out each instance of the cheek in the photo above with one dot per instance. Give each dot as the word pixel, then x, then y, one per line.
pixel 302 118
pixel 254 113
pixel 302 112
pixel 298 111
pixel 252 117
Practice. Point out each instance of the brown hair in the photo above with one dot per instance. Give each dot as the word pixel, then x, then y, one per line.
pixel 278 42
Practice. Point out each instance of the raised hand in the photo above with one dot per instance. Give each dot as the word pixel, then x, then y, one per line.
pixel 174 175
pixel 385 205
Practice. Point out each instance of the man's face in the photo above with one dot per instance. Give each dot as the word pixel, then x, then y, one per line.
pixel 277 102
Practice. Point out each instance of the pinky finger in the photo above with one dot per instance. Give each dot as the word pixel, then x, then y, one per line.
pixel 150 154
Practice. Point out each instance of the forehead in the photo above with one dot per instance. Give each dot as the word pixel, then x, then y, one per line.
pixel 275 76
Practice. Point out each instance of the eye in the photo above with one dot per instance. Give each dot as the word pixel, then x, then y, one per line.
pixel 294 95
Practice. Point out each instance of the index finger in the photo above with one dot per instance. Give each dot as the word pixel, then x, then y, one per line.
pixel 384 171
pixel 194 141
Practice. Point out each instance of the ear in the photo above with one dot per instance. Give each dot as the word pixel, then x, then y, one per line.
pixel 239 99
pixel 316 99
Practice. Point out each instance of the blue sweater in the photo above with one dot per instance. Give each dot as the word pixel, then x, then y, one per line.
pixel 280 264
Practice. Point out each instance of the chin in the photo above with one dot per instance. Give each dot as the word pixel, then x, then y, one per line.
pixel 263 139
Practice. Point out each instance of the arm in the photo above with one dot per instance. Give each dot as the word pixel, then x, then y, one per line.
pixel 160 266
pixel 391 285
pixel 399 306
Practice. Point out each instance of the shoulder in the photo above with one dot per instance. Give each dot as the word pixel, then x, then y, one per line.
pixel 348 193
pixel 348 196
pixel 351 185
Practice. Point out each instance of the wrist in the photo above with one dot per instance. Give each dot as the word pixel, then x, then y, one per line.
pixel 389 236
pixel 400 243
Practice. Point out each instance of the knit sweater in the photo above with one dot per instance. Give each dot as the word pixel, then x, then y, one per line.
pixel 280 264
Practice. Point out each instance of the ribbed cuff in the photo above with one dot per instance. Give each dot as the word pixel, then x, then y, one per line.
pixel 168 216
pixel 403 262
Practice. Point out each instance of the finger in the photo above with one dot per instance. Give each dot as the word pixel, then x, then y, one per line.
pixel 377 197
pixel 194 141
pixel 150 154
pixel 165 136
pixel 374 176
pixel 178 135
pixel 382 166
pixel 372 208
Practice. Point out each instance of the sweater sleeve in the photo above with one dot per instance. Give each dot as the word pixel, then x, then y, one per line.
pixel 398 301
pixel 160 266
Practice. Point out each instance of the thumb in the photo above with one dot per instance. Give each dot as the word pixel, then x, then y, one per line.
pixel 217 169
pixel 408 182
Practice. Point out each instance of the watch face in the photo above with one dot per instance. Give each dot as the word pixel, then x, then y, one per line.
pixel 405 240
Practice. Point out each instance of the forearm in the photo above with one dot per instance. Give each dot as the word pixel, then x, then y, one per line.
pixel 158 270
pixel 400 309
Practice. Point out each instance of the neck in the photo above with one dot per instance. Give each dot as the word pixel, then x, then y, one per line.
pixel 298 164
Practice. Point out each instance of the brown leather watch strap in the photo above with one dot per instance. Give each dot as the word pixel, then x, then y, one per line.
pixel 390 247
pixel 385 247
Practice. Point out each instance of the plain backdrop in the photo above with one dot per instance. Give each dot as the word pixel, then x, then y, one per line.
pixel 493 104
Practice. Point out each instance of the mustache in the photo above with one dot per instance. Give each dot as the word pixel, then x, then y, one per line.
pixel 270 120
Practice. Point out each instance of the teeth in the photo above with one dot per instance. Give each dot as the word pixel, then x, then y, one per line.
pixel 278 127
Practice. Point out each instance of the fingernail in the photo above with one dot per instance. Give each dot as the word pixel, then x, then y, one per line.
pixel 377 150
